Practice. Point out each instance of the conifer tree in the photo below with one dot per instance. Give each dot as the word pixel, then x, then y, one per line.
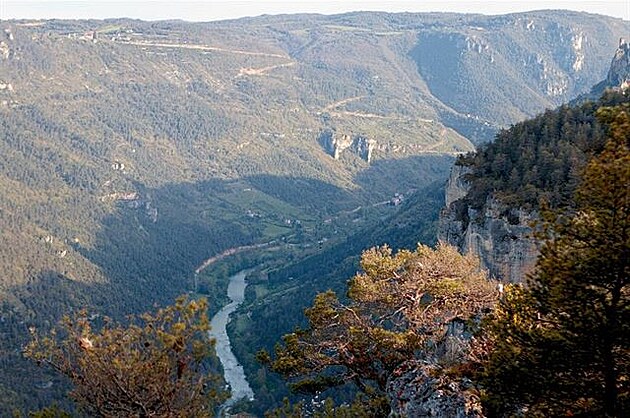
pixel 156 366
pixel 562 342
pixel 398 309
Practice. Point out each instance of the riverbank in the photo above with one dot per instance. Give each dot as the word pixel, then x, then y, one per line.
pixel 232 370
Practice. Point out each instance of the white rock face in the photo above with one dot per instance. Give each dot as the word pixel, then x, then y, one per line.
pixel 578 42
pixel 499 236
pixel 4 50
pixel 358 144
pixel 619 72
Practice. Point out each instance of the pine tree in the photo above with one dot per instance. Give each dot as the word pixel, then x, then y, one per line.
pixel 398 309
pixel 562 342
pixel 156 366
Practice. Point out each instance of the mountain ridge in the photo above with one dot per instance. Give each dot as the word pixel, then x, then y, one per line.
pixel 492 199
pixel 132 151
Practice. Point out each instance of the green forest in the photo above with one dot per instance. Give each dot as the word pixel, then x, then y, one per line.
pixel 142 161
pixel 555 345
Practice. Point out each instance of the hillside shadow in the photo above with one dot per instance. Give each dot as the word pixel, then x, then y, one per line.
pixel 43 302
pixel 411 173
pixel 150 245
pixel 437 60
pixel 304 193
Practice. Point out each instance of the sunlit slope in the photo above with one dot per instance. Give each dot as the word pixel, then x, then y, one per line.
pixel 133 151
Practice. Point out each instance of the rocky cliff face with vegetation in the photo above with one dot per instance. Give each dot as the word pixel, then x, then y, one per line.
pixel 499 235
pixel 334 144
pixel 422 390
pixel 133 151
pixel 492 198
pixel 619 73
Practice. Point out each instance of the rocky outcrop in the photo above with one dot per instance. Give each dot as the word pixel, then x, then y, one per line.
pixel 431 387
pixel 425 390
pixel 498 235
pixel 619 73
pixel 133 200
pixel 334 144
pixel 5 51
pixel 456 186
pixel 363 147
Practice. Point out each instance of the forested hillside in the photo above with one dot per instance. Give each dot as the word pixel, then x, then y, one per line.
pixel 539 160
pixel 133 151
pixel 536 162
pixel 428 333
pixel 495 194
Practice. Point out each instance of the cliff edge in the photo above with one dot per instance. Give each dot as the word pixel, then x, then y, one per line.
pixel 492 196
pixel 497 234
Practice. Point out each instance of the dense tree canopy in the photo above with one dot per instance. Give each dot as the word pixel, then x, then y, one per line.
pixel 399 308
pixel 539 159
pixel 563 341
pixel 156 366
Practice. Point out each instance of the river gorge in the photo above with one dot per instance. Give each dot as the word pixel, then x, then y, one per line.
pixel 232 370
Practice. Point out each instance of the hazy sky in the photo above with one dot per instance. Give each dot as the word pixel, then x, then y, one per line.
pixel 205 10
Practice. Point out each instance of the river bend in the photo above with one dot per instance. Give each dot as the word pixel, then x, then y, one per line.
pixel 232 370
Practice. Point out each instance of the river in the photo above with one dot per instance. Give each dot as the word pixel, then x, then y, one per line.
pixel 232 369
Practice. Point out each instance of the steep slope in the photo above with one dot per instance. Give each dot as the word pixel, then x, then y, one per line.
pixel 494 195
pixel 618 74
pixel 133 151
pixel 502 70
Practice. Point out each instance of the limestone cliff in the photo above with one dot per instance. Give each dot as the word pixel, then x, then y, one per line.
pixel 363 147
pixel 419 389
pixel 423 388
pixel 498 235
pixel 619 73
pixel 334 144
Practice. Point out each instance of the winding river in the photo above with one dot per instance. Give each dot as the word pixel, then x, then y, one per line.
pixel 232 369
